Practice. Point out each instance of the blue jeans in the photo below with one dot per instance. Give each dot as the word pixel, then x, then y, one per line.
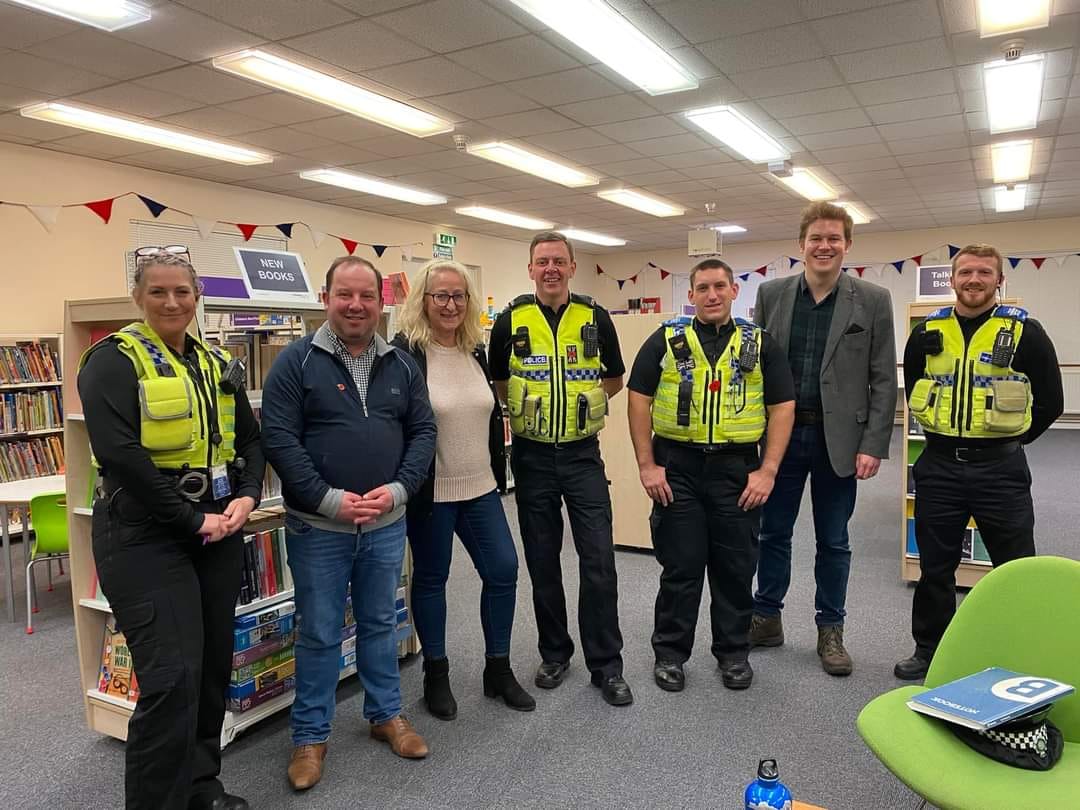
pixel 481 525
pixel 323 563
pixel 833 501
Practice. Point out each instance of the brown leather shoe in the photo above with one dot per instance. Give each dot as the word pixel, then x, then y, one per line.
pixel 403 739
pixel 305 767
pixel 830 646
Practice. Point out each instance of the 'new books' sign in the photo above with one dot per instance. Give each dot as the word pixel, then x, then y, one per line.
pixel 274 274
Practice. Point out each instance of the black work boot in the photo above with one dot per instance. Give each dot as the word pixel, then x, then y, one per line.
pixel 437 695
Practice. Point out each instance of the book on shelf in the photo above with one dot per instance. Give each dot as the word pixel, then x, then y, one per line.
pixel 245 638
pixel 249 671
pixel 265 648
pixel 265 566
pixel 241 705
pixel 278 611
pixel 989 698
pixel 257 683
pixel 22 411
pixel 31 458
pixel 116 677
pixel 28 362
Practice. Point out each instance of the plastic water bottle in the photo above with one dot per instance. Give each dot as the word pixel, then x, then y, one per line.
pixel 767 792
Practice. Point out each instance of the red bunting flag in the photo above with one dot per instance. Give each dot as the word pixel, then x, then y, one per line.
pixel 1038 261
pixel 664 274
pixel 599 270
pixel 762 270
pixel 860 271
pixel 917 259
pixel 633 279
pixel 103 208
pixel 247 230
pixel 349 244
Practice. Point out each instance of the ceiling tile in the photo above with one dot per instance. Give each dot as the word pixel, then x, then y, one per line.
pixel 640 129
pixel 566 87
pixel 826 8
pixel 628 168
pixel 94 145
pixel 1063 33
pixel 570 139
pixel 880 27
pixel 102 53
pixel 52 78
pixel 532 122
pixel 284 139
pixel 825 122
pixel 427 77
pixel 449 25
pixel 687 161
pixel 399 145
pixel 203 85
pixel 281 108
pixel 671 145
pixel 864 152
pixel 960 166
pixel 710 92
pixel 899 111
pixel 165 160
pixel 273 19
pixel 914 129
pixel 763 49
pixel 811 102
pixel 788 78
pixel 703 20
pixel 23 28
pixel 344 128
pixel 358 46
pixel 905 88
pixel 187 34
pixel 370 7
pixel 845 137
pixel 14 124
pixel 216 121
pixel 14 97
pixel 922 158
pixel 482 172
pixel 607 110
pixel 602 154
pixel 896 60
pixel 136 100
pixel 484 102
pixel 517 58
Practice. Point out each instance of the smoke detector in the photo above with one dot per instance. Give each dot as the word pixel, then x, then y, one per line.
pixel 1012 49
pixel 460 142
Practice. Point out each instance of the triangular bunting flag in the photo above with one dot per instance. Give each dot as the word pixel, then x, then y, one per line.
pixel 154 207
pixel 844 269
pixel 379 250
pixel 599 270
pixel 860 271
pixel 917 259
pixel 317 237
pixel 953 250
pixel 1013 261
pixel 45 214
pixel 653 265
pixel 286 229
pixel 406 251
pixel 762 270
pixel 899 265
pixel 247 230
pixel 620 281
pixel 205 226
pixel 633 279
pixel 663 274
pixel 103 208
pixel 349 244
pixel 1038 261
pixel 744 276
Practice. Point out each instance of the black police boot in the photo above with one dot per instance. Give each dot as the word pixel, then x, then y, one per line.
pixel 227 801
pixel 615 690
pixel 437 695
pixel 499 681
pixel 550 674
pixel 669 676
pixel 913 668
pixel 736 674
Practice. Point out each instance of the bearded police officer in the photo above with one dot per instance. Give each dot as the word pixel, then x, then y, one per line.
pixel 555 360
pixel 708 388
pixel 983 380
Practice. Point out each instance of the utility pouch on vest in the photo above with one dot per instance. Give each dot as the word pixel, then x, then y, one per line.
pixel 516 391
pixel 596 404
pixel 165 404
pixel 924 395
pixel 686 394
pixel 531 407
pixel 1006 411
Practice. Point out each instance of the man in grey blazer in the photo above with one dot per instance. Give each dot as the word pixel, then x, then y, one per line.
pixel 838 333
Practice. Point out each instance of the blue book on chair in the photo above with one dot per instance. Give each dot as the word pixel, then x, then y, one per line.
pixel 989 698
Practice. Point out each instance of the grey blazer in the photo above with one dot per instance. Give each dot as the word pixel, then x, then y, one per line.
pixel 858 369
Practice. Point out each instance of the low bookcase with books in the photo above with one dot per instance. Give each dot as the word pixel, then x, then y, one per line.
pixel 263 669
pixel 975 560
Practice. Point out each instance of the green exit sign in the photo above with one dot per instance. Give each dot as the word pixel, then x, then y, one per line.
pixel 446 239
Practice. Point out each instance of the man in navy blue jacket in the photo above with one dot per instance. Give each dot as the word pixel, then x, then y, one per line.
pixel 348 427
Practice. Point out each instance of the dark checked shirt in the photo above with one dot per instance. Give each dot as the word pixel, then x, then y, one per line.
pixel 360 366
pixel 810 324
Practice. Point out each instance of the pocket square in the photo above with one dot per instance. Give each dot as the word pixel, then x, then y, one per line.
pixel 854 329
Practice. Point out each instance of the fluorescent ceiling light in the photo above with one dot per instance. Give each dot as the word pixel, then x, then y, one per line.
pixel 108 15
pixel 596 27
pixel 593 238
pixel 134 130
pixel 1009 199
pixel 729 228
pixel 809 185
pixel 858 216
pixel 505 218
pixel 1011 160
pixel 311 84
pixel 998 17
pixel 1014 92
pixel 373 185
pixel 523 160
pixel 641 202
pixel 731 127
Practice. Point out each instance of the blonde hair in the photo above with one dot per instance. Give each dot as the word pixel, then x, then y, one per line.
pixel 414 323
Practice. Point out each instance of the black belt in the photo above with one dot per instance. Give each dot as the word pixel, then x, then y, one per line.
pixel 192 484
pixel 809 417
pixel 727 448
pixel 975 452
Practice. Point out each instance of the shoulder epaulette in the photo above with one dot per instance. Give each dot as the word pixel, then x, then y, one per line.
pixel 751 324
pixel 1010 311
pixel 522 300
pixel 582 299
pixel 940 314
pixel 678 320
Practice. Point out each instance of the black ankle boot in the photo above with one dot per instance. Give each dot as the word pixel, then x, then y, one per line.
pixel 437 695
pixel 499 681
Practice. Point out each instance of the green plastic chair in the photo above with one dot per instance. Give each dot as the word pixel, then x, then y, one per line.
pixel 1023 616
pixel 48 515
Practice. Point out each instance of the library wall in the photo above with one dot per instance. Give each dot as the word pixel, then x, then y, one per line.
pixel 84 258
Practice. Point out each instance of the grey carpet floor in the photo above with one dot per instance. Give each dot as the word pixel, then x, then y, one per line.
pixel 694 749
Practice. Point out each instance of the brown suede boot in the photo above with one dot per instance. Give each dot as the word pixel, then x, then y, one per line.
pixel 830 647
pixel 766 631
pixel 402 737
pixel 305 767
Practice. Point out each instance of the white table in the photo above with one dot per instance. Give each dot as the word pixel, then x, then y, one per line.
pixel 19 494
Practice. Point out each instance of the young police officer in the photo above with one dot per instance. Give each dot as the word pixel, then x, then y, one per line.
pixel 555 360
pixel 983 380
pixel 707 389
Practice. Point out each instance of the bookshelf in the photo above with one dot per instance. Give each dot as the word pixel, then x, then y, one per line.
pixel 84 322
pixel 975 562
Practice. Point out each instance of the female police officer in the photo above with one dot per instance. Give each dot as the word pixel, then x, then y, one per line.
pixel 178 450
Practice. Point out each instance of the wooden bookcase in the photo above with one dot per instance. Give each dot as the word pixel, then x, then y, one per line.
pixel 976 562
pixel 85 321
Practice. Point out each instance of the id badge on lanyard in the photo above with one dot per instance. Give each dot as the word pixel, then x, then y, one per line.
pixel 219 482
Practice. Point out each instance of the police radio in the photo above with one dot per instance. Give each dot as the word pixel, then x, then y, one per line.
pixel 1004 347
pixel 748 353
pixel 522 344
pixel 233 376
pixel 590 337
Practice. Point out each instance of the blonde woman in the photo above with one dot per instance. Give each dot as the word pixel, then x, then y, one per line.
pixel 440 328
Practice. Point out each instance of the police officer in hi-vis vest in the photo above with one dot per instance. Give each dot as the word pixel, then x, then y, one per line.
pixel 983 380
pixel 178 450
pixel 709 388
pixel 555 360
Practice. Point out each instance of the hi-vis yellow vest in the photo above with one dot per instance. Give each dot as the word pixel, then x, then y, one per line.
pixel 555 392
pixel 963 393
pixel 175 424
pixel 726 404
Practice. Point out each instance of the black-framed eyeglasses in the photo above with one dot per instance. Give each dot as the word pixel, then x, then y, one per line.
pixel 153 250
pixel 442 298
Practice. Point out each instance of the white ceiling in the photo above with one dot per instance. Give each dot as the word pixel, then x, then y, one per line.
pixel 883 99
